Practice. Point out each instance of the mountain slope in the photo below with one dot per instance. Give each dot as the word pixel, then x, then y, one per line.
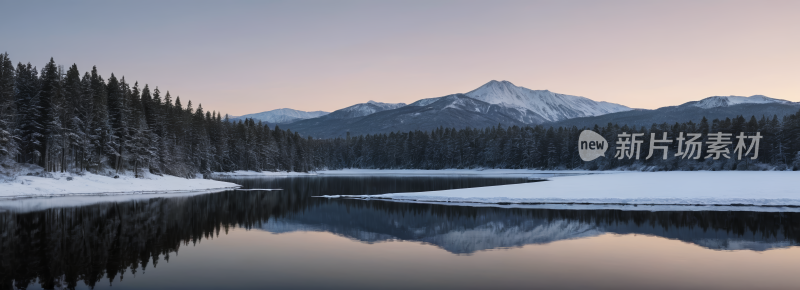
pixel 453 111
pixel 543 103
pixel 284 115
pixel 363 109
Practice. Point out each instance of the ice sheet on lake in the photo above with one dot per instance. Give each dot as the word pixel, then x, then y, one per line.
pixel 682 188
pixel 250 173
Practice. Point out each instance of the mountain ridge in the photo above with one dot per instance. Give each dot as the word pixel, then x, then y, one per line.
pixel 725 101
pixel 453 111
pixel 683 113
pixel 283 115
pixel 496 102
pixel 363 109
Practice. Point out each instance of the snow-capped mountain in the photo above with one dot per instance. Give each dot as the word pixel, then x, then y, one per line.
pixel 536 106
pixel 543 103
pixel 363 109
pixel 722 101
pixel 284 115
pixel 494 103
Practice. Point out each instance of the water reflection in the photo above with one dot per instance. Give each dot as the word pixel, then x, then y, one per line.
pixel 62 246
pixel 465 230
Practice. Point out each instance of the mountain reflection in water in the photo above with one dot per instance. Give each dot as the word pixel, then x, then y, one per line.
pixel 465 230
pixel 59 247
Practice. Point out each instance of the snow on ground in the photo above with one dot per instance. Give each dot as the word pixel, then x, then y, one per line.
pixel 699 188
pixel 250 173
pixel 92 184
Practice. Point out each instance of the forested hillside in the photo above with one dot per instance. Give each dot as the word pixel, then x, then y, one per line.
pixel 63 121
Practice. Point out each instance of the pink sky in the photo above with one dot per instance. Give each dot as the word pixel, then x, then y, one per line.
pixel 247 57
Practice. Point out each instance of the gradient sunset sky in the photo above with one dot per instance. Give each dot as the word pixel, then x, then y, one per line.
pixel 242 57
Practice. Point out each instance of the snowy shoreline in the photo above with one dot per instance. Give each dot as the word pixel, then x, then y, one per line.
pixel 250 173
pixel 88 184
pixel 627 190
pixel 656 190
pixel 409 172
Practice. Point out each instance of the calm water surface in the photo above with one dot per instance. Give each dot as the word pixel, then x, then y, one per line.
pixel 290 239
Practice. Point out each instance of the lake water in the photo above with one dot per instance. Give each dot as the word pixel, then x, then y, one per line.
pixel 290 239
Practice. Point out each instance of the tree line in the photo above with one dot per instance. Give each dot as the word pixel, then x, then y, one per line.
pixel 543 147
pixel 64 121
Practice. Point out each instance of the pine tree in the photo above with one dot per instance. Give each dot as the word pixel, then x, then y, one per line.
pixel 117 119
pixel 101 135
pixel 75 116
pixel 52 103
pixel 30 131
pixel 8 108
pixel 199 140
pixel 84 111
pixel 165 135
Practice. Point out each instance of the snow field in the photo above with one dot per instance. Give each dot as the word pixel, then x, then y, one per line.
pixel 699 188
pixel 92 184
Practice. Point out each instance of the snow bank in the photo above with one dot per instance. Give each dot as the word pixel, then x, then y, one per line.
pixel 250 173
pixel 698 188
pixel 92 184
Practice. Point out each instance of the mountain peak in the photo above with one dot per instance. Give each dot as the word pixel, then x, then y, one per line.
pixel 548 105
pixel 497 84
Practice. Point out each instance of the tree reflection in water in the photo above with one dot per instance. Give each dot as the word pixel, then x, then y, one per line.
pixel 59 247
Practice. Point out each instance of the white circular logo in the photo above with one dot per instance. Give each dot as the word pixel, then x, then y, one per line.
pixel 591 145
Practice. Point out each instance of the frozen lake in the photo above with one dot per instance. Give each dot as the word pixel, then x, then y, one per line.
pixel 290 239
